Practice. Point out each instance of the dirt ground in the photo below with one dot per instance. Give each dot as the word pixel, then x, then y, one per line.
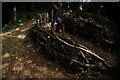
pixel 20 59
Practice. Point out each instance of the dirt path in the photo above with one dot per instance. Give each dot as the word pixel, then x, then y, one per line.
pixel 21 60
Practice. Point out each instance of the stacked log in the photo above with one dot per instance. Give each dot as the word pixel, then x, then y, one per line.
pixel 90 25
pixel 66 51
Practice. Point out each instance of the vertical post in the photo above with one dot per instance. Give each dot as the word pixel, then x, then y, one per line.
pixel 0 40
pixel 47 17
pixel 40 18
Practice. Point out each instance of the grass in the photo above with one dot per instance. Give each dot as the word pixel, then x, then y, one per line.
pixel 8 46
pixel 7 41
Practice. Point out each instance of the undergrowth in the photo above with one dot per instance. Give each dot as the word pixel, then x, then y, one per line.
pixel 8 27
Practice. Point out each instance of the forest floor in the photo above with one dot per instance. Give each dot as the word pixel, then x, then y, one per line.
pixel 20 58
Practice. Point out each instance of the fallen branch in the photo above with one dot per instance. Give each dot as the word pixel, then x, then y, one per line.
pixel 76 61
pixel 83 49
pixel 84 57
pixel 77 47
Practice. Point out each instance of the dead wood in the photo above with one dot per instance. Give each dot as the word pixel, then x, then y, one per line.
pixel 67 49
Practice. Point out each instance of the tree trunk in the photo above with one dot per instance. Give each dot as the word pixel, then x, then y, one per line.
pixel 13 16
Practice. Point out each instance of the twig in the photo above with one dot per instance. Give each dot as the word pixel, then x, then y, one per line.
pixel 84 56
pixel 82 64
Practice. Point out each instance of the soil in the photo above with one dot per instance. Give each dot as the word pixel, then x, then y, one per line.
pixel 20 59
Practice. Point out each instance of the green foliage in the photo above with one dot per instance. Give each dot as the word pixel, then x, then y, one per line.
pixel 98 44
pixel 40 48
pixel 13 57
pixel 50 63
pixel 8 27
pixel 26 40
pixel 22 20
pixel 45 71
pixel 84 74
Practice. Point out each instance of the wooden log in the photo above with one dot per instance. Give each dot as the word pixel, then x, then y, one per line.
pixel 79 47
pixel 85 50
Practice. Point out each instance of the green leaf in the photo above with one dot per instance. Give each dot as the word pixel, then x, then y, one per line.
pixel 26 40
pixel 50 63
pixel 39 48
